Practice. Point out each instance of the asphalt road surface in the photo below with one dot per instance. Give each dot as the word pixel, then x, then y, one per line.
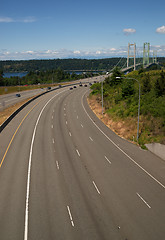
pixel 7 100
pixel 64 175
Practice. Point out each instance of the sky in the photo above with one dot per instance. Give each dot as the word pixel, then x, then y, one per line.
pixel 50 29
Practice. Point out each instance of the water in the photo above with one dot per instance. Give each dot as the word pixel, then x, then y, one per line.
pixel 14 74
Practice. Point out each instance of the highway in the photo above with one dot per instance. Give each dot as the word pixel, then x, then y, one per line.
pixel 10 99
pixel 7 100
pixel 65 175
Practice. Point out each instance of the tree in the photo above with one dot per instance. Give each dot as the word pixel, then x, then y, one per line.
pixel 127 88
pixel 146 84
pixel 113 80
pixel 159 86
pixel 1 78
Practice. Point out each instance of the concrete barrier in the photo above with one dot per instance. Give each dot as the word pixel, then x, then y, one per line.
pixel 157 148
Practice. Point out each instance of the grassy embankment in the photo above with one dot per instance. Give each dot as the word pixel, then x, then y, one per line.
pixel 121 105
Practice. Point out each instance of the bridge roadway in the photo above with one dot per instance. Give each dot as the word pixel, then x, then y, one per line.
pixel 65 175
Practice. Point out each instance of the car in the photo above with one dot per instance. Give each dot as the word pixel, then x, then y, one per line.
pixel 71 88
pixel 75 87
pixel 59 86
pixel 85 85
pixel 48 88
pixel 94 81
pixel 18 95
pixel 80 85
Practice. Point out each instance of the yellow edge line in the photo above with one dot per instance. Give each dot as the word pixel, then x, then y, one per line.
pixel 15 133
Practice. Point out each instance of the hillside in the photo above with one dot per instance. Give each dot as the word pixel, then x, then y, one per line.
pixel 121 104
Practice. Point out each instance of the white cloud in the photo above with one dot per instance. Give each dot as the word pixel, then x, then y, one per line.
pixel 76 52
pixel 98 52
pixel 161 30
pixel 29 19
pixel 6 20
pixel 112 49
pixel 128 31
pixel 65 53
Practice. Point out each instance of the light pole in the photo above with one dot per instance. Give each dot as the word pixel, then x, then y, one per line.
pixel 138 103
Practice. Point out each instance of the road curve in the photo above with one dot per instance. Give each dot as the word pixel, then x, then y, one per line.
pixel 65 175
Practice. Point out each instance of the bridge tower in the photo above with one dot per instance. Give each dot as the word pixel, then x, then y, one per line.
pixel 154 56
pixel 130 55
pixel 146 54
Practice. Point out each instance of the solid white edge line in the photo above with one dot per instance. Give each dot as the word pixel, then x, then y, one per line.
pixel 70 216
pixel 143 200
pixel 120 148
pixel 29 171
pixel 96 187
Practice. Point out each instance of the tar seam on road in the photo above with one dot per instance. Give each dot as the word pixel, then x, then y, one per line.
pixel 119 147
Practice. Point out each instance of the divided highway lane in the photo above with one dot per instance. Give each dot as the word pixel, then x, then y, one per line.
pixel 129 190
pixel 11 99
pixel 15 143
pixel 66 176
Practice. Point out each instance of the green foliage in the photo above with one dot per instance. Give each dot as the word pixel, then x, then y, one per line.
pixel 159 86
pixel 1 78
pixel 41 77
pixel 146 84
pixel 96 89
pixel 121 102
pixel 65 64
pixel 116 79
pixel 127 88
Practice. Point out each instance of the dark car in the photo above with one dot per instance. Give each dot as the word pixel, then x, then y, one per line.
pixel 71 88
pixel 75 87
pixel 18 95
pixel 85 85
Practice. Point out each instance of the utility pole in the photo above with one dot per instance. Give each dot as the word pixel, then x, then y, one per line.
pixel 134 55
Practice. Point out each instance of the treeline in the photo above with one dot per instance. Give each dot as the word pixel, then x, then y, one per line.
pixel 64 64
pixel 68 64
pixel 42 77
pixel 121 100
